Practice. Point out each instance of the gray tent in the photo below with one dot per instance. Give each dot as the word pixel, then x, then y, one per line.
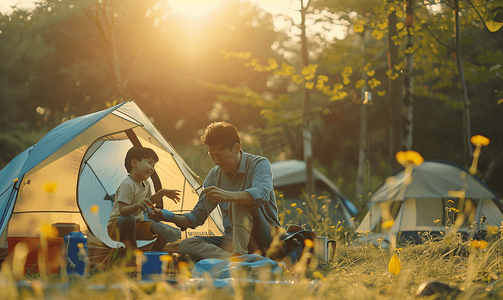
pixel 428 202
pixel 289 177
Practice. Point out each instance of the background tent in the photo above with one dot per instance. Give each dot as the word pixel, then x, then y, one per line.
pixel 72 173
pixel 289 177
pixel 429 202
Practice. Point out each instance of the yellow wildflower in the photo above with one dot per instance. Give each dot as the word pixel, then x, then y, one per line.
pixel 492 229
pixel 293 204
pixel 479 140
pixel 50 186
pixel 394 265
pixel 94 208
pixel 183 264
pixel 481 245
pixel 317 274
pixel 309 243
pixel 235 259
pixel 409 157
pixel 49 231
pixel 388 224
pixel 166 258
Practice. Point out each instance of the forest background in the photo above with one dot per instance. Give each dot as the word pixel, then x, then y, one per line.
pixel 239 63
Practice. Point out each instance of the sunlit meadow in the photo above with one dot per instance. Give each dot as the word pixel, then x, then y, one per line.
pixel 452 266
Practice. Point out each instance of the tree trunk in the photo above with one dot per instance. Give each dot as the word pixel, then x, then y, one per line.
pixel 394 105
pixel 308 149
pixel 467 149
pixel 360 194
pixel 408 84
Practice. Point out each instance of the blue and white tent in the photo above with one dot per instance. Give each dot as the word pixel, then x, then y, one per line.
pixel 72 173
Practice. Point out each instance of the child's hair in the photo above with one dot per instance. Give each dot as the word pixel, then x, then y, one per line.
pixel 221 134
pixel 139 153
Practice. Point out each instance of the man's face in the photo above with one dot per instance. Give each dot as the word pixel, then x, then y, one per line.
pixel 226 158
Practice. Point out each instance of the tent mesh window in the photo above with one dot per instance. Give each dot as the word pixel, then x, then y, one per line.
pixel 428 211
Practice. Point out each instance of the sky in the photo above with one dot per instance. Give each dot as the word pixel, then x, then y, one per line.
pixel 273 6
pixel 198 7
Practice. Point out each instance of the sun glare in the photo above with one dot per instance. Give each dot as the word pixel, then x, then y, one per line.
pixel 193 8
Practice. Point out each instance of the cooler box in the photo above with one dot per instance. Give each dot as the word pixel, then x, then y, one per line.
pixel 54 247
pixel 77 257
pixel 153 263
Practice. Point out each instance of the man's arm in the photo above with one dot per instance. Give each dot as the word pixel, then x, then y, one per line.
pixel 180 221
pixel 256 195
pixel 217 194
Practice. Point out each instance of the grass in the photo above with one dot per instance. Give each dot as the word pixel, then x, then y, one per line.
pixel 359 271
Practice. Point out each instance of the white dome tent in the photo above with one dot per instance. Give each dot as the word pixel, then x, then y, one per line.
pixel 424 204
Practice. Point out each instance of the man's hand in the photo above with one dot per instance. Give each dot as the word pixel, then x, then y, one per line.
pixel 216 194
pixel 156 215
pixel 173 195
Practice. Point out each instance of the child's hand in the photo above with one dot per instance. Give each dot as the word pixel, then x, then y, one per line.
pixel 144 203
pixel 172 194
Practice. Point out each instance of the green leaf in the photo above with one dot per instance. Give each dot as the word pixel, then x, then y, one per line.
pixel 358 28
pixel 493 26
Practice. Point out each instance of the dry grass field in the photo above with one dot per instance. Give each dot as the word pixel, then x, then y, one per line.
pixel 469 270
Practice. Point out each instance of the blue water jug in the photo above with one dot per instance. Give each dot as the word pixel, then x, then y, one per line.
pixel 76 258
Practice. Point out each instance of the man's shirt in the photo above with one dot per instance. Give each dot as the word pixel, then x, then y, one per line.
pixel 254 176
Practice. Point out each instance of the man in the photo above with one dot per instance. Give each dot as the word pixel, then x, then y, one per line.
pixel 241 184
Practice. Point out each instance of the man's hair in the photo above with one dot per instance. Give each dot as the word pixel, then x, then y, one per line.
pixel 139 153
pixel 221 134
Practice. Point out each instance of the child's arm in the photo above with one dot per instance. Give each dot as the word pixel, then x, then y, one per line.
pixel 172 194
pixel 126 209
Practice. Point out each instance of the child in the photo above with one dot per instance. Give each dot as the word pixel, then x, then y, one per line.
pixel 133 197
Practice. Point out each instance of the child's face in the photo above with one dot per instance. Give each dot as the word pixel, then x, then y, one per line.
pixel 145 168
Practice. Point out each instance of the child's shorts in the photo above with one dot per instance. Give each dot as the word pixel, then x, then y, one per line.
pixel 142 231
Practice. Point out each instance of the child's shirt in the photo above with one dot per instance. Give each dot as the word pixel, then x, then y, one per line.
pixel 130 192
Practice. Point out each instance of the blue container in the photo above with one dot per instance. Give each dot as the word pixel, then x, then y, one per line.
pixel 75 260
pixel 153 263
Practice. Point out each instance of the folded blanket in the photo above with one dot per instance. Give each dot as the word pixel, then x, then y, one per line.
pixel 253 264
